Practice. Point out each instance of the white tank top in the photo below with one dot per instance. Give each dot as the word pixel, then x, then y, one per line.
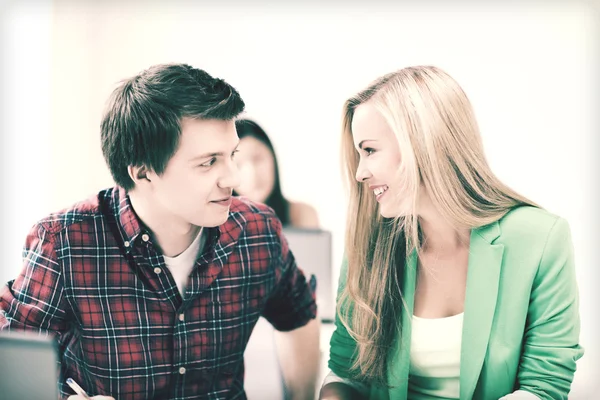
pixel 435 358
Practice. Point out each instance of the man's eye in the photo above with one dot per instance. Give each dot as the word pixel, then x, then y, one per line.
pixel 209 163
pixel 233 153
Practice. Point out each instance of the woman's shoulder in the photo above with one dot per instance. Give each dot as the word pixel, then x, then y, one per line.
pixel 529 216
pixel 303 215
pixel 528 224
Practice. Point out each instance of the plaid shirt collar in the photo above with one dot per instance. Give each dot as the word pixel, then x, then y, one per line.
pixel 129 224
pixel 132 229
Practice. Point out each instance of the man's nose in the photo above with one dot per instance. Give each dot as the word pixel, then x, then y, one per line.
pixel 231 178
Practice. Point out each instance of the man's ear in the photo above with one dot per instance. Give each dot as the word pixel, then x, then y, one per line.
pixel 139 174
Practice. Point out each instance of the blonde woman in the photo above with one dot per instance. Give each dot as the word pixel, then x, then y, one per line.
pixel 454 286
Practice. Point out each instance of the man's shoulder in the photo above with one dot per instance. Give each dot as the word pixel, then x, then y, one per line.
pixel 85 211
pixel 252 217
pixel 250 209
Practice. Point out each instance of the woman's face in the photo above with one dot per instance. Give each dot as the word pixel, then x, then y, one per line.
pixel 380 160
pixel 257 169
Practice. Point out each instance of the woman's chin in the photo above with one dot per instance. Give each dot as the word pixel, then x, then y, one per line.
pixel 392 212
pixel 387 213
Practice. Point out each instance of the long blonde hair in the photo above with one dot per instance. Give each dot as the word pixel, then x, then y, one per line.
pixel 441 150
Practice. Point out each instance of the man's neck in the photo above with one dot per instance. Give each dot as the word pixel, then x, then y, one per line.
pixel 172 235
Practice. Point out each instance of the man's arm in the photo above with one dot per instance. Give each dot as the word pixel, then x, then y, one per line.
pixel 299 357
pixel 35 301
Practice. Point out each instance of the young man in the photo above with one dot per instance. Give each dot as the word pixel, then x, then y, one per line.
pixel 153 287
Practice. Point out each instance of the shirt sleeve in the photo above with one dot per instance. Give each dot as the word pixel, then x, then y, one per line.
pixel 551 344
pixel 34 301
pixel 292 304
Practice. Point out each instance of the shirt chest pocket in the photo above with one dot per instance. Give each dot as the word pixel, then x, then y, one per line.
pixel 240 297
pixel 237 304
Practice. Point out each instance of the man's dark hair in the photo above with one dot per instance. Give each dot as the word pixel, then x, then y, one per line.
pixel 141 125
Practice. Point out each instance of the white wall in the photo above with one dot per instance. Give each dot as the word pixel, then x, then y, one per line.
pixel 25 54
pixel 529 71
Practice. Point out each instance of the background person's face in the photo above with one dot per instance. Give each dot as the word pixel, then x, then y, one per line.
pixel 257 169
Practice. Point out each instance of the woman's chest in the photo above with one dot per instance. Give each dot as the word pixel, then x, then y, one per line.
pixel 441 286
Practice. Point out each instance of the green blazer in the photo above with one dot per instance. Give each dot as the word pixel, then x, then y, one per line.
pixel 521 317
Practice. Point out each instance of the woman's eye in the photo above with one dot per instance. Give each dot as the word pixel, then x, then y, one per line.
pixel 233 154
pixel 369 151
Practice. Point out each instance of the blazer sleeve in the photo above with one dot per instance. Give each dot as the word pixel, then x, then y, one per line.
pixel 551 341
pixel 342 345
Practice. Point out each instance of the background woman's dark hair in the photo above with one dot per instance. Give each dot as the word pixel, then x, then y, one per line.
pixel 276 200
pixel 141 125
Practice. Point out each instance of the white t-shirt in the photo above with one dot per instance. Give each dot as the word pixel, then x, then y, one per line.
pixel 181 266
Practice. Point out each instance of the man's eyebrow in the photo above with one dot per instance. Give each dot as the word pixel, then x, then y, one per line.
pixel 214 154
pixel 207 155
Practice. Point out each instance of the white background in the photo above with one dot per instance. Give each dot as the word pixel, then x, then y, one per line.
pixel 529 70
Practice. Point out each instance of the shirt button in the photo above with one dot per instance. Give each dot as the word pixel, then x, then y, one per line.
pixel 145 237
pixel 126 243
pixel 181 370
pixel 181 317
pixel 157 270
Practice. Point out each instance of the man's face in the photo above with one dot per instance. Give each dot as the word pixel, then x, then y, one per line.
pixel 196 186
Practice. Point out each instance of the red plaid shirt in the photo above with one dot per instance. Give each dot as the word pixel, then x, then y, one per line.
pixel 94 277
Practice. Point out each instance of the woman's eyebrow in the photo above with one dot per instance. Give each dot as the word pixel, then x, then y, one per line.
pixel 361 144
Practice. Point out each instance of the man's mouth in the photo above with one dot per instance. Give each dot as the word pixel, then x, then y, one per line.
pixel 225 201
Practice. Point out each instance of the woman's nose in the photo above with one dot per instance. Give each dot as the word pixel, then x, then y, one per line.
pixel 362 173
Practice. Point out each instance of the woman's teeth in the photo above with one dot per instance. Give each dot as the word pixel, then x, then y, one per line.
pixel 380 190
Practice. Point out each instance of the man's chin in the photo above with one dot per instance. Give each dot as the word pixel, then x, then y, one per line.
pixel 213 222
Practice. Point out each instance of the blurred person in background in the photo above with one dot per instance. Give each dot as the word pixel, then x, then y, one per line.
pixel 260 180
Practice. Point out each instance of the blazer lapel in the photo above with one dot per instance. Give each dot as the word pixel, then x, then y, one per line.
pixel 399 365
pixel 485 260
